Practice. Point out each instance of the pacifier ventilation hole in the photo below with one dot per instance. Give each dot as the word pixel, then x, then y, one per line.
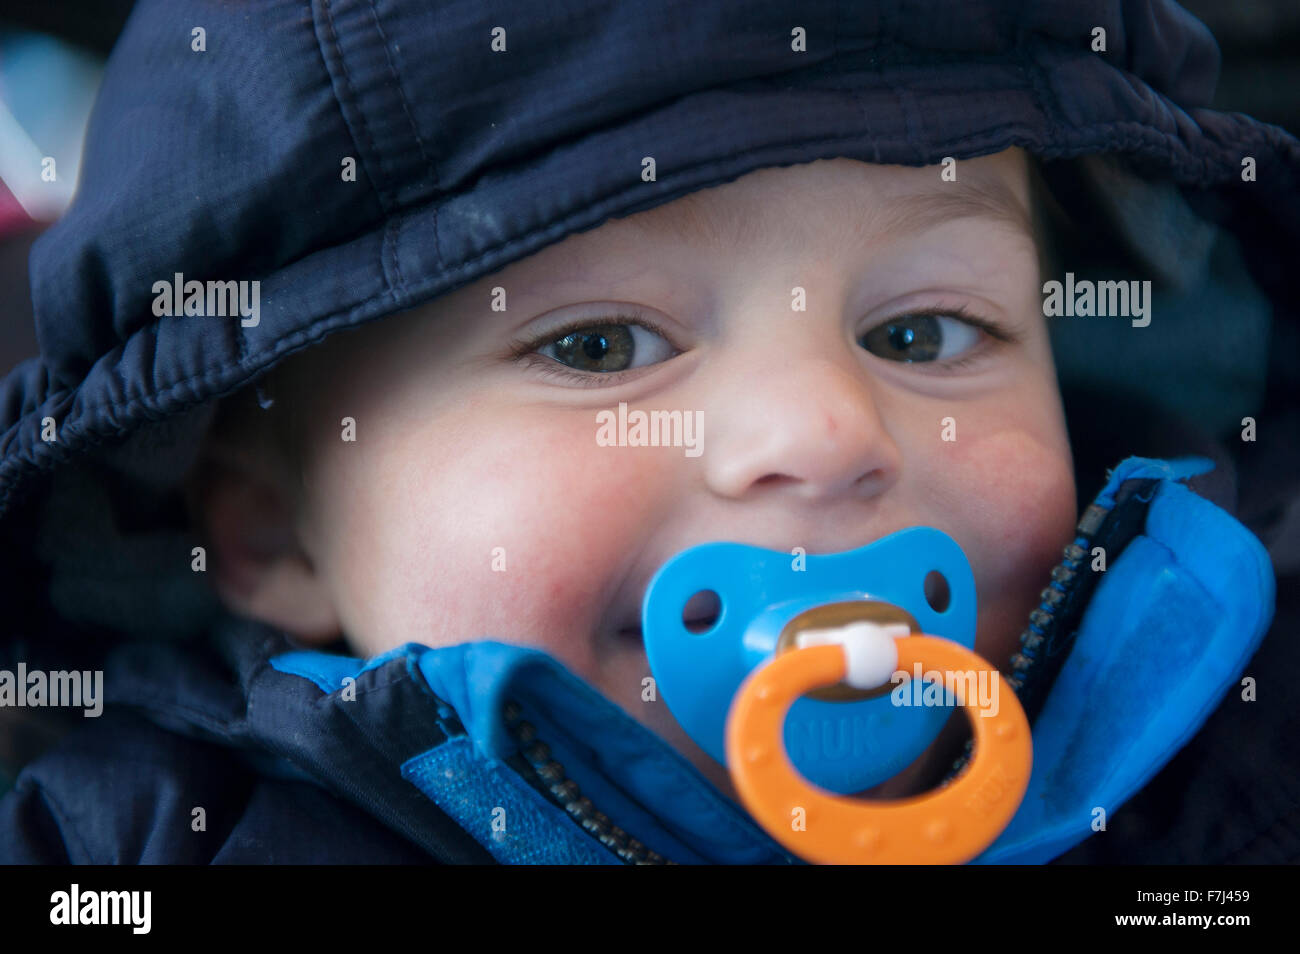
pixel 937 593
pixel 700 614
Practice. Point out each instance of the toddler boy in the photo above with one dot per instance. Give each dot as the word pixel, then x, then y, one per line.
pixel 466 235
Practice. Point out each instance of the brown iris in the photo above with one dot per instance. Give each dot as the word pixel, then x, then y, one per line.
pixel 598 348
pixel 912 338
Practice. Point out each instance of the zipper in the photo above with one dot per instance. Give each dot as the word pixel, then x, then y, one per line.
pixel 1054 622
pixel 547 776
pixel 1036 636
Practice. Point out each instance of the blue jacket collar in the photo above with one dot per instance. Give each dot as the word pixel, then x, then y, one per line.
pixel 593 750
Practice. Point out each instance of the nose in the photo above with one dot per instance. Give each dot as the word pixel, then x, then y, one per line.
pixel 811 428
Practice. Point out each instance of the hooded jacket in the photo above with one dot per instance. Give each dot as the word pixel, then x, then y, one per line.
pixel 218 156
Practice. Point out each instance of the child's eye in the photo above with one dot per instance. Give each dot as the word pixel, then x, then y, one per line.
pixel 606 348
pixel 922 337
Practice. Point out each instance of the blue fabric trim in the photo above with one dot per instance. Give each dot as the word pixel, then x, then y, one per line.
pixel 507 816
pixel 328 670
pixel 1171 626
pixel 1142 468
pixel 629 773
pixel 323 669
pixel 632 775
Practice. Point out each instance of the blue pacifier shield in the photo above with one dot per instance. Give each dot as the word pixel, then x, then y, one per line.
pixel 844 747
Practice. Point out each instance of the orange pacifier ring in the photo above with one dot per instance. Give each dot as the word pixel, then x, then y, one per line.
pixel 950 825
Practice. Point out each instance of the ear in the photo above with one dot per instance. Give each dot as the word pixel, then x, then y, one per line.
pixel 259 567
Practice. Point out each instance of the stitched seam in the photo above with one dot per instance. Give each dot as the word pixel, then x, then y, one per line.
pixel 396 232
pixel 856 94
pixel 386 255
pixel 1038 88
pixel 437 241
pixel 401 94
pixel 430 165
pixel 909 118
pixel 343 117
pixel 361 116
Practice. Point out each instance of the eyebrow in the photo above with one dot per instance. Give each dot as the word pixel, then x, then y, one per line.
pixel 689 221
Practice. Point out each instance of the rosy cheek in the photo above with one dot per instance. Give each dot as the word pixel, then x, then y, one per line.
pixel 1016 513
pixel 520 533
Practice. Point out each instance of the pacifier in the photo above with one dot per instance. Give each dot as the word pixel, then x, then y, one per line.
pixel 801 686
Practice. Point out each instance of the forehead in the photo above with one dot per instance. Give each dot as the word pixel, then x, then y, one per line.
pixel 852 200
pixel 818 210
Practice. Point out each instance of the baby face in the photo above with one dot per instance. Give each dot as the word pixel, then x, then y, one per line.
pixel 478 501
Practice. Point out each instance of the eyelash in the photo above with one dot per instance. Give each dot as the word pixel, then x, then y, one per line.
pixel 525 349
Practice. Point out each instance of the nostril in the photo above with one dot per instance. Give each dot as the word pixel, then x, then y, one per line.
pixel 701 612
pixel 874 476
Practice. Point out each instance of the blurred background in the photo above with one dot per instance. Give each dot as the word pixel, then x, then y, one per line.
pixel 52 54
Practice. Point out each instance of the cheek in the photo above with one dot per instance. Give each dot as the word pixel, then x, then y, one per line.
pixel 499 524
pixel 1010 504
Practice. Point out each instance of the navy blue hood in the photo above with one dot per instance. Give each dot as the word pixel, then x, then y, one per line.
pixel 225 164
